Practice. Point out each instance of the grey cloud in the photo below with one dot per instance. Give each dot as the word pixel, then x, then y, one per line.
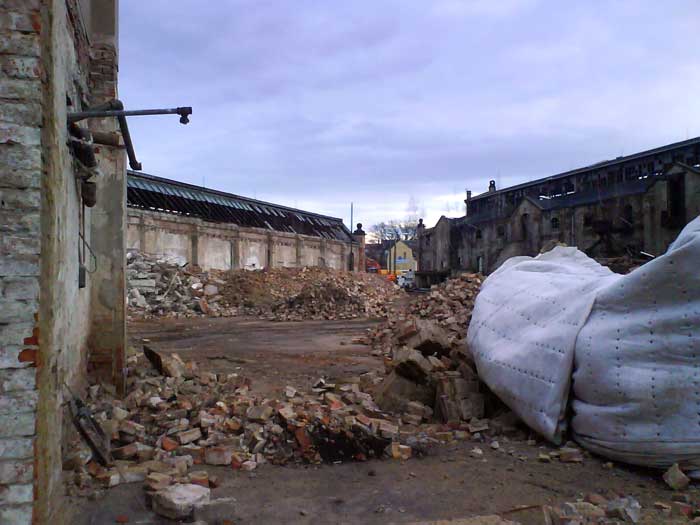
pixel 326 102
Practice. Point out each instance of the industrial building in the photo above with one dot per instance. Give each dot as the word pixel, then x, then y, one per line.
pixel 632 204
pixel 218 230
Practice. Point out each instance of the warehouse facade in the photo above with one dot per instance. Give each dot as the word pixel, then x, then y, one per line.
pixel 217 230
pixel 632 204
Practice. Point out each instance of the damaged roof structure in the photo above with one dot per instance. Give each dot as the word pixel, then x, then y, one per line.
pixel 621 207
pixel 149 192
pixel 218 230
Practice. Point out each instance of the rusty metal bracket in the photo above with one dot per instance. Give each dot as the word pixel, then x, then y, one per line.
pixel 115 108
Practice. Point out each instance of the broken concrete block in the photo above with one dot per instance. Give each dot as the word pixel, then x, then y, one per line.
pixel 675 478
pixel 179 501
pixel 627 509
pixel 396 391
pixel 411 364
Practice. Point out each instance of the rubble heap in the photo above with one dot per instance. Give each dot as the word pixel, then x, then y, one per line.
pixel 176 416
pixel 161 286
pixel 427 360
pixel 164 287
pixel 295 294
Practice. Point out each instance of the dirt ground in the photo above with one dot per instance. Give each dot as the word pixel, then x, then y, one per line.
pixel 447 484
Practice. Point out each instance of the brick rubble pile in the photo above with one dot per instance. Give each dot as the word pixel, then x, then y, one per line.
pixel 427 360
pixel 160 287
pixel 176 417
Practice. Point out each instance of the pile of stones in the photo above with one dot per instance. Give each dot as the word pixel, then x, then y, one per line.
pixel 427 360
pixel 162 286
pixel 166 287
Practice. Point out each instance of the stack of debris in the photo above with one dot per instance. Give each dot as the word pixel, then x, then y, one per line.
pixel 432 322
pixel 162 286
pixel 176 416
pixel 427 362
pixel 623 264
pixel 295 294
pixel 168 287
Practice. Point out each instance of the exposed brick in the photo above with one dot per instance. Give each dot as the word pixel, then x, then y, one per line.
pixel 19 44
pixel 15 134
pixel 12 199
pixel 15 333
pixel 19 157
pixel 25 22
pixel 21 287
pixel 15 266
pixel 19 245
pixel 9 357
pixel 21 424
pixel 16 494
pixel 12 310
pixel 12 221
pixel 20 112
pixel 17 379
pixel 22 6
pixel 26 89
pixel 29 356
pixel 15 402
pixel 20 179
pixel 16 514
pixel 16 471
pixel 17 448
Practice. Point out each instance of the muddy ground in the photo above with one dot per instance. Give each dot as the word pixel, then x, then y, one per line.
pixel 448 484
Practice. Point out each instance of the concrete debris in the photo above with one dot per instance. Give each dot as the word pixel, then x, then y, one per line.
pixel 427 360
pixel 161 287
pixel 179 501
pixel 603 511
pixel 675 478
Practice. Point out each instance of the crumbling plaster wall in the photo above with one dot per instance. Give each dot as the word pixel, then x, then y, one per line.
pixel 226 246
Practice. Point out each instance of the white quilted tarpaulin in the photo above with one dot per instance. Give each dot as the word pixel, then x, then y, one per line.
pixel 631 343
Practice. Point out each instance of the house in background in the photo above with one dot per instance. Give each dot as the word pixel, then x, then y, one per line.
pixel 383 252
pixel 400 256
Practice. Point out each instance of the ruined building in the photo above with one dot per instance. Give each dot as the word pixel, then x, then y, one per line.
pixel 62 219
pixel 636 203
pixel 214 229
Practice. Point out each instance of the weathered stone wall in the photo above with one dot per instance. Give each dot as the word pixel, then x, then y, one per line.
pixel 228 246
pixel 20 230
pixel 107 334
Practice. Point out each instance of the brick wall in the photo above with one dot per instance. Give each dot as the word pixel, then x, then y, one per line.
pixel 20 180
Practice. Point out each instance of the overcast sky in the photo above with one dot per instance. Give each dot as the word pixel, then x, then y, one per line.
pixel 315 104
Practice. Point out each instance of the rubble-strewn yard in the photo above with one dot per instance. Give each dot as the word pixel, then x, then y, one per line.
pixel 238 420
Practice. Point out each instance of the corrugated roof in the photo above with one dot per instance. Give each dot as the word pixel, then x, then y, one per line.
pixel 146 191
